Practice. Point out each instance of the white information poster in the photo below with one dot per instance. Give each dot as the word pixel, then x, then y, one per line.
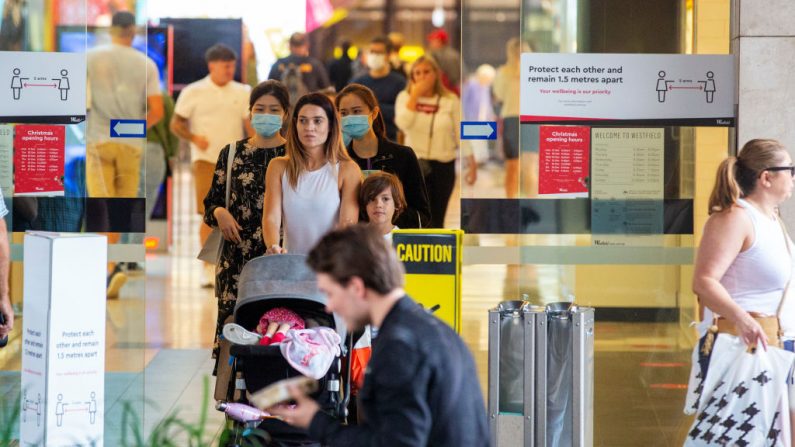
pixel 6 158
pixel 63 355
pixel 42 87
pixel 627 189
pixel 670 89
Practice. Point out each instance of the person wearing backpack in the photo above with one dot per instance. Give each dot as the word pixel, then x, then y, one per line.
pixel 300 72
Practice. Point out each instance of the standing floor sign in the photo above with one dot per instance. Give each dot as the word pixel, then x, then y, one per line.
pixel 432 259
pixel 63 340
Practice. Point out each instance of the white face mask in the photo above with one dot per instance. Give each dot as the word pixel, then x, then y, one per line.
pixel 376 61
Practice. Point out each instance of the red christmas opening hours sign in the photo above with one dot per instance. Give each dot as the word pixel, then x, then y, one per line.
pixel 563 160
pixel 39 160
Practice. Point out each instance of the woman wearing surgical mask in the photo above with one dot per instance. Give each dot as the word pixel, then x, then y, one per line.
pixel 241 221
pixel 364 134
pixel 429 115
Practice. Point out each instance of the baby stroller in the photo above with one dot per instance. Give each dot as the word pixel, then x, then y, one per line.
pixel 282 281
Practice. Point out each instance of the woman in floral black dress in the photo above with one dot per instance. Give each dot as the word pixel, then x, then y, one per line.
pixel 241 223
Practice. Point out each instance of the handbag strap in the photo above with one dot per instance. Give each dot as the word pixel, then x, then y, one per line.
pixel 229 160
pixel 789 281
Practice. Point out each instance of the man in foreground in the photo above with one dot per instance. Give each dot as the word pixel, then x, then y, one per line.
pixel 420 387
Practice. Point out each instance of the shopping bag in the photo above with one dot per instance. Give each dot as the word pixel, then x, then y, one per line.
pixel 744 399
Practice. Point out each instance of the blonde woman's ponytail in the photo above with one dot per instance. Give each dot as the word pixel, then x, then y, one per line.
pixel 726 190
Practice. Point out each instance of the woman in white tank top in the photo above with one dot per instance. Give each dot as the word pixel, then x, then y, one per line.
pixel 743 262
pixel 314 187
pixel 743 266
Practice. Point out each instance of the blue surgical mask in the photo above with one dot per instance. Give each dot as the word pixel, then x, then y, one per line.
pixel 266 124
pixel 354 126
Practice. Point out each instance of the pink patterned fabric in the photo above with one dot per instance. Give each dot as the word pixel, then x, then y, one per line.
pixel 281 315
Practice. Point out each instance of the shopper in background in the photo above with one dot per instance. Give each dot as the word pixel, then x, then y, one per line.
pixel 5 262
pixel 385 84
pixel 745 261
pixel 241 221
pixel 429 115
pixel 300 72
pixel 210 113
pixel 315 187
pixel 506 91
pixel 122 83
pixel 396 41
pixel 447 58
pixel 364 131
pixel 340 70
pixel 421 386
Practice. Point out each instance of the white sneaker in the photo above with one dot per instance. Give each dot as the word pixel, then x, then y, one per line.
pixel 238 335
pixel 208 276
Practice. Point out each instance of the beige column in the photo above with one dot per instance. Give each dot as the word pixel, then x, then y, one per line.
pixel 763 41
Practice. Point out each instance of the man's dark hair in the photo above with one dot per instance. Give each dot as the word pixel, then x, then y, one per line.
pixel 345 45
pixel 219 52
pixel 383 40
pixel 297 40
pixel 358 250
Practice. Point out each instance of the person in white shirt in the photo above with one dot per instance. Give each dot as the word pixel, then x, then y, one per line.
pixel 123 83
pixel 314 188
pixel 429 115
pixel 211 113
pixel 5 255
pixel 744 264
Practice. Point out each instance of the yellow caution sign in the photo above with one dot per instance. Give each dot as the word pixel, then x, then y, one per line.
pixel 432 259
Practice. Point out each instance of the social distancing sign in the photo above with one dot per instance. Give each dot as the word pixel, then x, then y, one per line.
pixel 432 259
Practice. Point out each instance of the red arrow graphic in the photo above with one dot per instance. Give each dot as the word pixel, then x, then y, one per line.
pixel 684 88
pixel 40 85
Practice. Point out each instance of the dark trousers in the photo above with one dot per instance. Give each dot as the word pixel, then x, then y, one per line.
pixel 439 182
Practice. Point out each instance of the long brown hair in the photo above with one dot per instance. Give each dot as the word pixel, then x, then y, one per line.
pixel 736 177
pixel 368 97
pixel 438 87
pixel 334 150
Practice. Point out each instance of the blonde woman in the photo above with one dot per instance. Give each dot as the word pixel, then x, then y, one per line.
pixel 314 187
pixel 429 116
pixel 745 261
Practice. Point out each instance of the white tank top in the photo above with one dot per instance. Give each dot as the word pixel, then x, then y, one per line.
pixel 311 209
pixel 757 277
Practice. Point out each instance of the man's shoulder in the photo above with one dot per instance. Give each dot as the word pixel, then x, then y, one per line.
pixel 239 87
pixel 195 86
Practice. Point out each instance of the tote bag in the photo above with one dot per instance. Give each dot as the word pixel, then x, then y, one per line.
pixel 744 398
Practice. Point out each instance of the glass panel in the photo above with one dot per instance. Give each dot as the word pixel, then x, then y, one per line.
pixel 100 185
pixel 630 258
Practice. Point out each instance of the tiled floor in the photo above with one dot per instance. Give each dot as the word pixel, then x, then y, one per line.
pixel 158 347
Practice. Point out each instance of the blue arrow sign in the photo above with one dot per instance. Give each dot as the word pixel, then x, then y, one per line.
pixel 128 128
pixel 478 130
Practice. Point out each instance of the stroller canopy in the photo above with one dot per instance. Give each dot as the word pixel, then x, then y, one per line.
pixel 279 277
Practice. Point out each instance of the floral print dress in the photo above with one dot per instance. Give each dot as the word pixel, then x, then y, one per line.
pixel 246 201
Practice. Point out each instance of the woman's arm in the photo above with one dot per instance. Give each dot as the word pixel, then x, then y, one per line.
pixel 726 234
pixel 272 214
pixel 216 196
pixel 351 179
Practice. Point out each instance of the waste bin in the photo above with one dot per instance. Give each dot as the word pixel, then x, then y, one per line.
pixel 541 375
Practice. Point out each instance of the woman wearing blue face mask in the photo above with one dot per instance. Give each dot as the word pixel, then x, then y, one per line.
pixel 364 134
pixel 241 221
